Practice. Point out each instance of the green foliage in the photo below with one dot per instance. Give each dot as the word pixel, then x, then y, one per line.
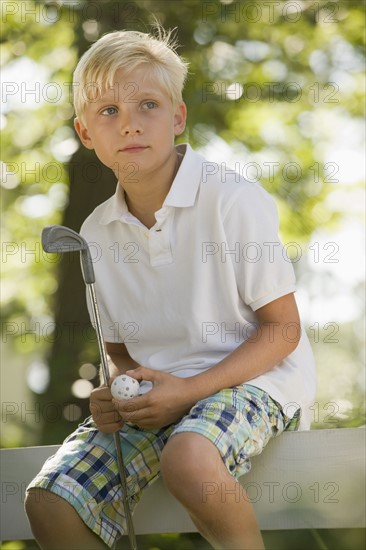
pixel 259 86
pixel 276 89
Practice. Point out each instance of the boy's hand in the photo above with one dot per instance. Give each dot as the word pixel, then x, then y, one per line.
pixel 165 404
pixel 104 413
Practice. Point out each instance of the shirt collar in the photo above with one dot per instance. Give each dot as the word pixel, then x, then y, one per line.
pixel 182 193
pixel 187 180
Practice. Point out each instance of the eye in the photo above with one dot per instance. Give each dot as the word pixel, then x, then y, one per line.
pixel 149 105
pixel 109 111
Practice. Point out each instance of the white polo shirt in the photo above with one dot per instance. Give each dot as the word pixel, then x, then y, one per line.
pixel 182 295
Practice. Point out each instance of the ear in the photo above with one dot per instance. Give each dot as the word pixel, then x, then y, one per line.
pixel 83 134
pixel 180 118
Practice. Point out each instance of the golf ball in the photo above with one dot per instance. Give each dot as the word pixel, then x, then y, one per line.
pixel 124 387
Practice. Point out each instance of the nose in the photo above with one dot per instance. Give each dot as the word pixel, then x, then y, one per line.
pixel 130 124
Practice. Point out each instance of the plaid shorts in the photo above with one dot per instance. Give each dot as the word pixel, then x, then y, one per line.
pixel 239 421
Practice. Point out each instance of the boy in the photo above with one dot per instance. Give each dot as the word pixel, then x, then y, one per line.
pixel 196 298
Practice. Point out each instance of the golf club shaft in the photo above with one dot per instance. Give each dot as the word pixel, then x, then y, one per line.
pixel 120 462
pixel 58 238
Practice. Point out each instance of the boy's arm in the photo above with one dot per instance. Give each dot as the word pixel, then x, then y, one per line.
pixel 120 360
pixel 277 335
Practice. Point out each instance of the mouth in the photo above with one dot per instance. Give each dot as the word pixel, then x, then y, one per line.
pixel 134 148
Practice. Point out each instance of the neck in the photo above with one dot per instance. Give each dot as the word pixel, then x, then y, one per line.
pixel 145 195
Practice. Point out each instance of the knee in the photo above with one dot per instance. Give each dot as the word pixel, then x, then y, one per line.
pixel 37 507
pixel 33 502
pixel 34 506
pixel 187 462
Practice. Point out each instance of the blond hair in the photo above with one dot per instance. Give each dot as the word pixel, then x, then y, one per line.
pixel 126 51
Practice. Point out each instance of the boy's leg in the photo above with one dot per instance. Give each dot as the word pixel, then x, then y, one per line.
pixel 56 525
pixel 195 474
pixel 210 449
pixel 79 485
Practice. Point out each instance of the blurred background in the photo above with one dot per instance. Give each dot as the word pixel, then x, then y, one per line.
pixel 277 92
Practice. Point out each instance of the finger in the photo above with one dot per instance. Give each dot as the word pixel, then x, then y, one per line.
pixel 108 418
pixel 136 416
pixel 143 373
pixel 97 410
pixel 130 405
pixel 103 393
pixel 111 428
pixel 135 419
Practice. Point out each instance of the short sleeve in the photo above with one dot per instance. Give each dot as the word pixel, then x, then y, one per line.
pixel 263 270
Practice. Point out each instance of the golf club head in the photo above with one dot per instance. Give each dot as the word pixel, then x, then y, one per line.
pixel 60 239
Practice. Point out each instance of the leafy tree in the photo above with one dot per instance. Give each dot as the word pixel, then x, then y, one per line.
pixel 268 78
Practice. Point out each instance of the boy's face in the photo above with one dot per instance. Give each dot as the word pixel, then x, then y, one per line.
pixel 132 125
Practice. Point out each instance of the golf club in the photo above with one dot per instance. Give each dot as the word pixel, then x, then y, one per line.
pixel 60 239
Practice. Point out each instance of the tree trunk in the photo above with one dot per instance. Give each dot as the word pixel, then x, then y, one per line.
pixel 74 340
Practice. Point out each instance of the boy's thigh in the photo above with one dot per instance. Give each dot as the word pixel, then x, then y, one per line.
pixel 239 421
pixel 84 472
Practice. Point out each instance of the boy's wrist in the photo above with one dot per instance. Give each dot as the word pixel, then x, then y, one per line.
pixel 198 387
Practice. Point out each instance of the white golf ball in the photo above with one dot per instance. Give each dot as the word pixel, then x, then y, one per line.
pixel 124 387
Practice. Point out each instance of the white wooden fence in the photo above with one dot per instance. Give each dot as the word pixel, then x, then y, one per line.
pixel 313 479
